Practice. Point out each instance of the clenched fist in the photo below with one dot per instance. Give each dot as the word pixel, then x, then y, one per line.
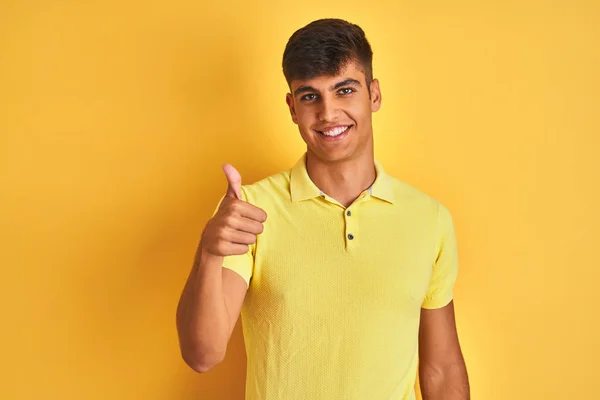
pixel 236 223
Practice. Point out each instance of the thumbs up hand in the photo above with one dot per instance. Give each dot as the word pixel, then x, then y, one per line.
pixel 236 223
pixel 234 179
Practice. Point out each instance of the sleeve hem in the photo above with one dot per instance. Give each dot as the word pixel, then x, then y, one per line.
pixel 244 277
pixel 438 303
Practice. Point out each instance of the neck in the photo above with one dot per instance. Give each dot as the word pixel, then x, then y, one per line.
pixel 342 180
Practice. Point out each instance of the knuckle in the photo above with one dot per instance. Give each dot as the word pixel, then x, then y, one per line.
pixel 220 231
pixel 221 248
pixel 229 207
pixel 229 220
pixel 236 205
pixel 225 204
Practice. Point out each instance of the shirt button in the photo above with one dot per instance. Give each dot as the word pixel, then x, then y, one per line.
pixel 350 236
pixel 348 213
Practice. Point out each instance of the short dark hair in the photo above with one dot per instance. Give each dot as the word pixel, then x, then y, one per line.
pixel 324 47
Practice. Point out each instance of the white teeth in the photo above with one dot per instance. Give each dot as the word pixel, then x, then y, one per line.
pixel 336 131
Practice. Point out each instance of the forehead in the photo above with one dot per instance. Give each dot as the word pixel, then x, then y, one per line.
pixel 350 70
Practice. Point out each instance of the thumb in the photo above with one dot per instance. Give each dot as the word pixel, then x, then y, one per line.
pixel 234 180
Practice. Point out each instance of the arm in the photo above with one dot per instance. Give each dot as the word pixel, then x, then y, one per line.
pixel 212 298
pixel 442 370
pixel 208 310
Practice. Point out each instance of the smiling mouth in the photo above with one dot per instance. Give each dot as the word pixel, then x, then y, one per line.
pixel 335 131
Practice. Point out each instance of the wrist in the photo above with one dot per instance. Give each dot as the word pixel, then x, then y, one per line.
pixel 205 256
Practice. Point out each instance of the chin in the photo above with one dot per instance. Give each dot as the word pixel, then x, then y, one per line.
pixel 333 156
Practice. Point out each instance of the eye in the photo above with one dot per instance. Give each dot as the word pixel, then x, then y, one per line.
pixel 308 97
pixel 347 91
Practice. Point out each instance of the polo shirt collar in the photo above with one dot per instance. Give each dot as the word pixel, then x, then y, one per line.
pixel 303 188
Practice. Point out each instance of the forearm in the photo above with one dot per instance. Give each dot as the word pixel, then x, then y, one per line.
pixel 448 383
pixel 202 317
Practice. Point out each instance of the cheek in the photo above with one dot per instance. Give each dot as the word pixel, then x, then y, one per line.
pixel 365 112
pixel 304 123
pixel 305 118
pixel 358 110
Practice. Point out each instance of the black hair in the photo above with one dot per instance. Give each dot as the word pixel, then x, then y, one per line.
pixel 325 47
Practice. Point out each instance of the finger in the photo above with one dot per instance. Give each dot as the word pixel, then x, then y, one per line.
pixel 238 249
pixel 246 225
pixel 250 211
pixel 238 237
pixel 234 182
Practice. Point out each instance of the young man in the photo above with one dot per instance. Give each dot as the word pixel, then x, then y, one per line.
pixel 346 290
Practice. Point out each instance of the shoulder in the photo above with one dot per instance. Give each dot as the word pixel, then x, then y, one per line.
pixel 422 206
pixel 420 203
pixel 271 188
pixel 409 195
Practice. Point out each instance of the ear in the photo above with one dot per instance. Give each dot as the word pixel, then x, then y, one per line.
pixel 290 102
pixel 375 95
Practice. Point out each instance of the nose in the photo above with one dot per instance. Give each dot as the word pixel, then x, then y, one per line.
pixel 329 111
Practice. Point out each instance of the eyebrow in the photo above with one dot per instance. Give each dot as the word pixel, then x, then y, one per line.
pixel 345 82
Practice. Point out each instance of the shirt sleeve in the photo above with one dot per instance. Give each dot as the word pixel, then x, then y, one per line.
pixel 242 264
pixel 445 267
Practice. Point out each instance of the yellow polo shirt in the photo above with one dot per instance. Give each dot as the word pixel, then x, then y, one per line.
pixel 334 298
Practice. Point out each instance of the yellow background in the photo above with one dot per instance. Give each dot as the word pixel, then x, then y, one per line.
pixel 115 118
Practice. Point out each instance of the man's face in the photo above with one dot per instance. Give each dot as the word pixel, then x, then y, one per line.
pixel 333 113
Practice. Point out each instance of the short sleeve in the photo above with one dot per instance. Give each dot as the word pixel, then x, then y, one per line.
pixel 445 266
pixel 242 264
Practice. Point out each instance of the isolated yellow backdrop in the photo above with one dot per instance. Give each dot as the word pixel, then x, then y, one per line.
pixel 115 118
